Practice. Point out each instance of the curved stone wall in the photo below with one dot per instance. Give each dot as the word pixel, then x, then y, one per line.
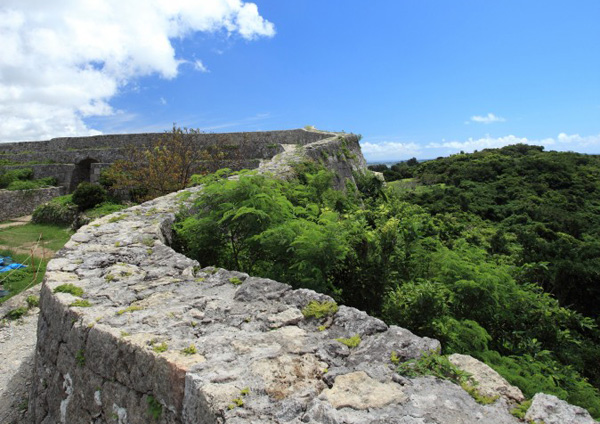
pixel 152 337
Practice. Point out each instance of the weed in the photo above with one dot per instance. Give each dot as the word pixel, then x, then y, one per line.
pixel 131 308
pixel 23 405
pixel 81 303
pixel 163 347
pixel 322 328
pixel 125 334
pixel 521 410
pixel 149 251
pixel 33 301
pixel 190 350
pixel 69 288
pixel 117 243
pixel 316 309
pixel 154 407
pixel 117 218
pixel 245 391
pixel 435 365
pixel 235 281
pixel 394 358
pixel 109 277
pixel 16 313
pixel 351 342
pixel 80 357
pixel 479 398
pixel 148 241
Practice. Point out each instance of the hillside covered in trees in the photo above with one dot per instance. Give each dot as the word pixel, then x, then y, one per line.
pixel 496 254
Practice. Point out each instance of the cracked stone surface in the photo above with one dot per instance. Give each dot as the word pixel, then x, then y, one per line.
pixel 166 341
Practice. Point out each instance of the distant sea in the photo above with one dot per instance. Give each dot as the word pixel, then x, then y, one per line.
pixel 375 162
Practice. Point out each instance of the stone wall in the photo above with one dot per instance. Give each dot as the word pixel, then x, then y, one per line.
pixel 108 148
pixel 62 172
pixel 17 203
pixel 152 337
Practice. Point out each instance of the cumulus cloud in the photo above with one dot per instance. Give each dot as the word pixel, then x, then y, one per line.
pixel 575 142
pixel 488 119
pixel 64 60
pixel 392 151
pixel 389 151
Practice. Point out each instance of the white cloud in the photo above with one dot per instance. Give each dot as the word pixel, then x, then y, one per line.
pixel 64 60
pixel 393 151
pixel 389 151
pixel 575 142
pixel 199 66
pixel 488 119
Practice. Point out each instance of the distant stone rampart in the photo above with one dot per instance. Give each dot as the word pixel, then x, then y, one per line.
pixel 131 331
pixel 17 203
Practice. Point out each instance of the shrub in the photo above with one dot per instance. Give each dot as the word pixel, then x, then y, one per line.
pixel 14 175
pixel 59 211
pixel 88 195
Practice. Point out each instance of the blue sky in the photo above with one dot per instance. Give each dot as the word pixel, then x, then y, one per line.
pixel 415 78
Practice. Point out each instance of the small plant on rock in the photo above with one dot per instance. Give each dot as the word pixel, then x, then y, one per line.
pixel 190 350
pixel 69 288
pixel 235 281
pixel 316 309
pixel 154 408
pixel 16 313
pixel 81 303
pixel 80 357
pixel 33 301
pixel 351 342
pixel 435 365
pixel 163 347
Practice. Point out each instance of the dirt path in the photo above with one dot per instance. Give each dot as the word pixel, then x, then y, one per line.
pixel 17 348
pixel 15 222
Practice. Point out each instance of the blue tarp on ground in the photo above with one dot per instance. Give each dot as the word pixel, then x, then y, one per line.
pixel 11 267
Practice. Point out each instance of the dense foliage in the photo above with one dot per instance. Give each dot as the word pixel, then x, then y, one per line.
pixel 88 195
pixel 22 179
pixel 437 269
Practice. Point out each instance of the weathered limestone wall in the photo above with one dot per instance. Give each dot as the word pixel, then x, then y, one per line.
pixel 62 172
pixel 107 148
pixel 154 338
pixel 17 203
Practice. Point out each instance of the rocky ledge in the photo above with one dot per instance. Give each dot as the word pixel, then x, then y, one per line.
pixel 131 331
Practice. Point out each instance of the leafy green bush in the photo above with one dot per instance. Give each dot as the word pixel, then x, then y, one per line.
pixel 445 273
pixel 88 195
pixel 32 184
pixel 541 373
pixel 59 211
pixel 21 174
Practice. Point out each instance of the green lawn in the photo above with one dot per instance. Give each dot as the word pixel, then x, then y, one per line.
pixel 19 241
pixel 52 237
